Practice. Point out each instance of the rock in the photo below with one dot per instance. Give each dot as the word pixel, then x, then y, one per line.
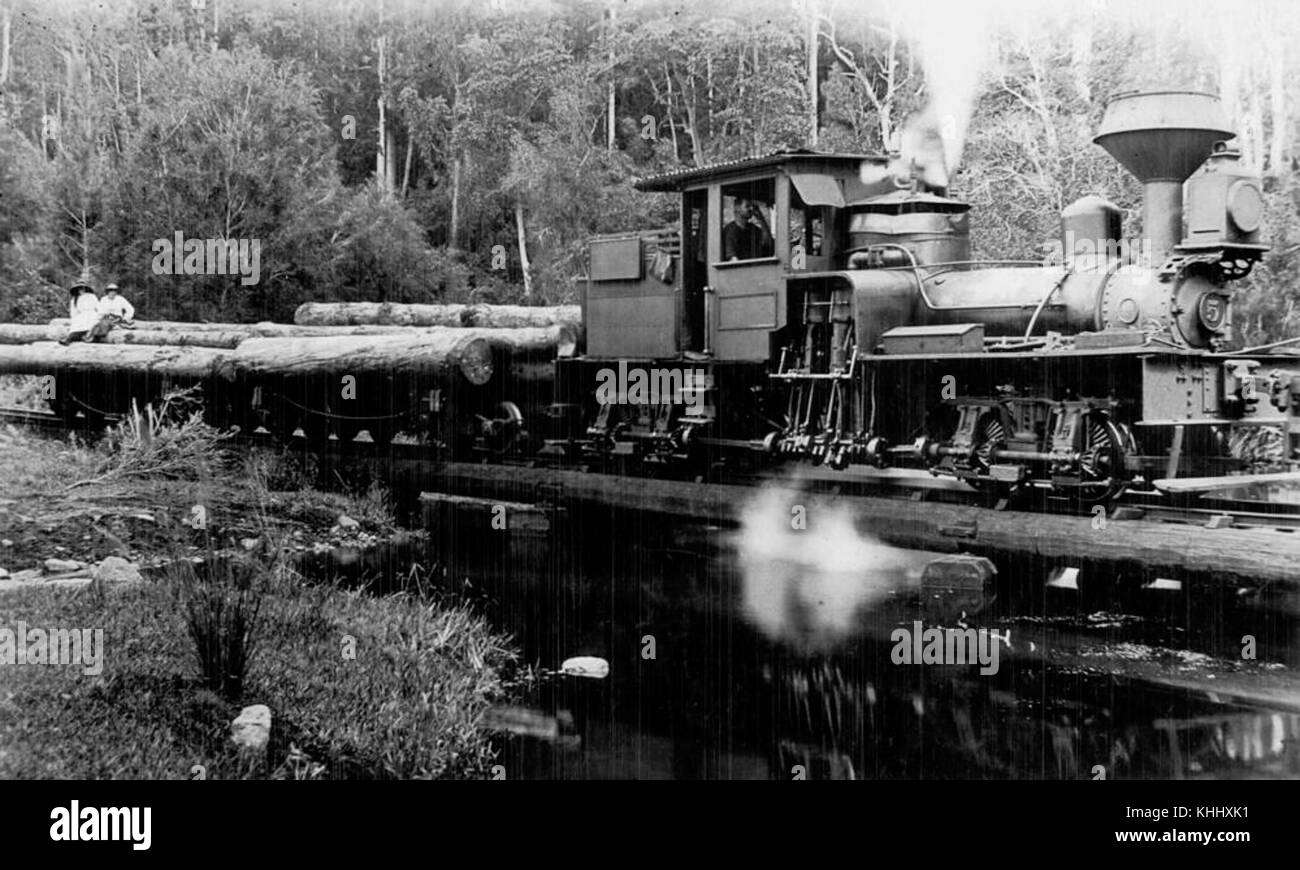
pixel 3 573
pixel 249 543
pixel 115 569
pixel 251 729
pixel 346 523
pixel 6 543
pixel 61 566
pixel 585 666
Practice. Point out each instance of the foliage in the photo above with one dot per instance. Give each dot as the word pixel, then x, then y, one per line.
pixel 161 443
pixel 124 124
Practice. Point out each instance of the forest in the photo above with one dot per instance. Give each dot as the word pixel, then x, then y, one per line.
pixel 415 151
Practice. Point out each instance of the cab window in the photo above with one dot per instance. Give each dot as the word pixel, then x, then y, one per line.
pixel 807 231
pixel 748 215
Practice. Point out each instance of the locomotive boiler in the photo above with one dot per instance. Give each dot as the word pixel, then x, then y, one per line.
pixel 838 317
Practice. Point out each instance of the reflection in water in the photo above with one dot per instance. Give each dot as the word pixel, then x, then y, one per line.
pixel 773 661
pixel 808 573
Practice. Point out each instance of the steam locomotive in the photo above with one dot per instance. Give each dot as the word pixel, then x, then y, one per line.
pixel 851 327
pixel 824 309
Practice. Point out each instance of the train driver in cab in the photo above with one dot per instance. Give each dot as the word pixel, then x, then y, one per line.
pixel 747 236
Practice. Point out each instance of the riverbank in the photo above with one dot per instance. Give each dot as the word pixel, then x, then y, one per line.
pixel 358 686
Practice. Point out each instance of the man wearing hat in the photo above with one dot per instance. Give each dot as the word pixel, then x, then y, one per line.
pixel 115 305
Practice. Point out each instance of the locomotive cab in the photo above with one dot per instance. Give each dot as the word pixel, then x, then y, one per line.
pixel 710 298
pixel 744 227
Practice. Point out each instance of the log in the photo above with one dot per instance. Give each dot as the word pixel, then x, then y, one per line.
pixel 564 336
pixel 518 316
pixel 377 314
pixel 546 342
pixel 12 333
pixel 1251 557
pixel 392 314
pixel 407 354
pixel 50 358
pixel 263 329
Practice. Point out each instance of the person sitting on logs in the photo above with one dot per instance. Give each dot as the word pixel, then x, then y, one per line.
pixel 83 309
pixel 115 305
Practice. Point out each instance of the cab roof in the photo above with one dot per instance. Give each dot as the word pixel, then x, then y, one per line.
pixel 795 160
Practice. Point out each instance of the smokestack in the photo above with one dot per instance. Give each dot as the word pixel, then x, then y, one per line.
pixel 1162 137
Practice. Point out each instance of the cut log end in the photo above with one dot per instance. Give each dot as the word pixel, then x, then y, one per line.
pixel 475 361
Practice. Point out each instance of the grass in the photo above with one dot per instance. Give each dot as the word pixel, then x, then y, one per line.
pixel 360 686
pixel 161 443
pixel 408 703
pixel 222 598
pixel 127 494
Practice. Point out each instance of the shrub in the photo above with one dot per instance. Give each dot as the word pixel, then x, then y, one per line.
pixel 222 599
pixel 169 442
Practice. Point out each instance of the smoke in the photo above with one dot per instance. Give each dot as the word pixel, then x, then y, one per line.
pixel 811 586
pixel 951 40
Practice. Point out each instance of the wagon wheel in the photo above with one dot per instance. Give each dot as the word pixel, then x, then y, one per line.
pixel 381 430
pixel 1101 458
pixel 316 425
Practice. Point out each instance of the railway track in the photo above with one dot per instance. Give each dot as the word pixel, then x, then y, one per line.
pixel 1212 511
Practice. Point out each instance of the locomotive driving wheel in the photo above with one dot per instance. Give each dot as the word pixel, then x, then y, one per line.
pixel 501 432
pixel 1102 475
pixel 992 431
pixel 991 434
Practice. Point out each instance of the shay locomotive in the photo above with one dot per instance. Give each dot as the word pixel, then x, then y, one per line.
pixel 814 308
pixel 859 330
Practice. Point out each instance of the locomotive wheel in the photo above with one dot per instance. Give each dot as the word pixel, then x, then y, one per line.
pixel 502 432
pixel 1101 459
pixel 991 433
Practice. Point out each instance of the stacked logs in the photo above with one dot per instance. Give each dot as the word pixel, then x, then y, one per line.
pixel 357 338
pixel 394 314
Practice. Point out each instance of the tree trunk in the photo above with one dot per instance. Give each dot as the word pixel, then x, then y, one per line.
pixel 381 156
pixel 406 171
pixel 4 46
pixel 377 314
pixel 610 126
pixel 523 251
pixel 48 358
pixel 392 314
pixel 517 316
pixel 813 123
pixel 672 127
pixel 11 333
pixel 443 352
pixel 452 238
pixel 557 329
pixel 390 158
pixel 542 341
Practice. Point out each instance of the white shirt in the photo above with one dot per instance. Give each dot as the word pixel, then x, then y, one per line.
pixel 84 311
pixel 117 305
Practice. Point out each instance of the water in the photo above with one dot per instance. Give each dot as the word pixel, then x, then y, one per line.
pixel 733 656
